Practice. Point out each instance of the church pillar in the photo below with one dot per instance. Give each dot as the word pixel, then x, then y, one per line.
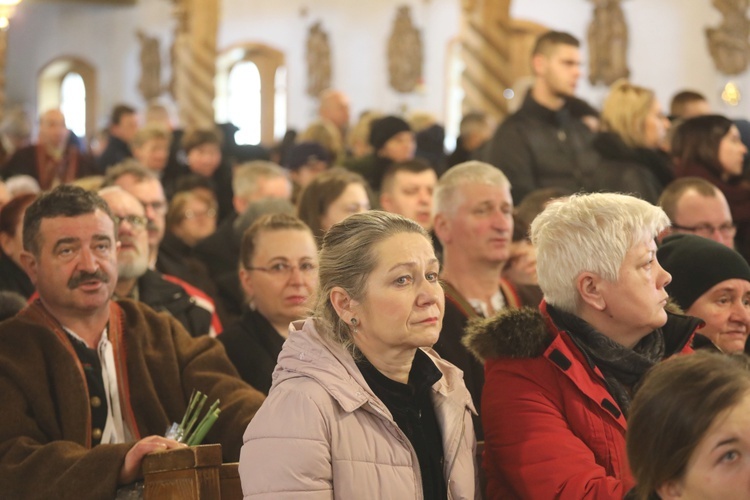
pixel 194 61
pixel 496 52
pixel 484 49
pixel 3 57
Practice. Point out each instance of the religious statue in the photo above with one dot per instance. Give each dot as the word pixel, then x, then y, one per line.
pixel 150 82
pixel 405 53
pixel 180 35
pixel 608 43
pixel 318 61
pixel 728 43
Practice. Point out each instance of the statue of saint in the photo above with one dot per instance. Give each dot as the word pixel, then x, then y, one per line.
pixel 608 43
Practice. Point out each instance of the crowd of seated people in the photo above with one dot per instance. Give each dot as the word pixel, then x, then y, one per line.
pixel 395 302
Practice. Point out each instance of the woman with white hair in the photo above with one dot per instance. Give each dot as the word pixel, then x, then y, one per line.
pixel 360 406
pixel 559 380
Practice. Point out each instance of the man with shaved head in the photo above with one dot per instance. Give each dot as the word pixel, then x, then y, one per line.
pixel 51 161
pixel 695 206
pixel 334 108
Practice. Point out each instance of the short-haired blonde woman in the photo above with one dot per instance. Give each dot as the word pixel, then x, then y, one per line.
pixel 633 132
pixel 360 407
pixel 689 434
pixel 559 380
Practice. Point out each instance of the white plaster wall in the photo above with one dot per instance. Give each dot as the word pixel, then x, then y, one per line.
pixel 358 33
pixel 667 46
pixel 104 36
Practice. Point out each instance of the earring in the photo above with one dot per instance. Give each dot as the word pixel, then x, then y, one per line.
pixel 354 323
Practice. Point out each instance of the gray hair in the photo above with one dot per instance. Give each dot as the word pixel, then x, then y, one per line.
pixel 589 233
pixel 346 260
pixel 246 176
pixel 447 198
pixel 129 166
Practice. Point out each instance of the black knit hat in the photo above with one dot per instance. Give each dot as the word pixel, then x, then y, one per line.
pixel 385 128
pixel 697 264
pixel 304 153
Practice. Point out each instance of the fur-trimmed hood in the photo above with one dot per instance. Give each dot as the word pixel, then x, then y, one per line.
pixel 524 333
pixel 514 333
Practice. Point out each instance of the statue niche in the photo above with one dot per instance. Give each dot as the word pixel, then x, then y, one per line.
pixel 608 43
pixel 150 83
pixel 405 54
pixel 728 43
pixel 318 61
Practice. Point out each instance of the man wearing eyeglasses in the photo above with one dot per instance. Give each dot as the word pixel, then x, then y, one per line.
pixel 695 206
pixel 146 187
pixel 136 281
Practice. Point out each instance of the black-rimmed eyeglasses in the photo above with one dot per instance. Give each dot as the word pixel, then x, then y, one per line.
pixel 136 221
pixel 727 230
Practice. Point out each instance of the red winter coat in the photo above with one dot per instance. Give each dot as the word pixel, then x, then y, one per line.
pixel 552 429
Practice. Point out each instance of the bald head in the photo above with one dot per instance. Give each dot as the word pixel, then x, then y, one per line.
pixel 52 130
pixel 115 196
pixel 334 107
pixel 696 206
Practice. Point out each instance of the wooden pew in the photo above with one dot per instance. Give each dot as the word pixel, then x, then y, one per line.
pixel 193 473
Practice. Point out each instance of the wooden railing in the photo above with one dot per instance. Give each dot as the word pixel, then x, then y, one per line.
pixel 194 473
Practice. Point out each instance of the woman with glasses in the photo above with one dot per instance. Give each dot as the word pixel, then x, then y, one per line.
pixel 710 147
pixel 190 218
pixel 361 406
pixel 279 276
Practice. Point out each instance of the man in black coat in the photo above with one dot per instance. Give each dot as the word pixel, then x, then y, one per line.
pixel 123 125
pixel 543 144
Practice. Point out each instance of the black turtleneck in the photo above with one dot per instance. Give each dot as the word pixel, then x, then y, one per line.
pixel 412 409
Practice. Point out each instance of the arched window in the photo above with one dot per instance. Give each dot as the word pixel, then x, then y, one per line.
pixel 69 83
pixel 454 93
pixel 251 92
pixel 279 119
pixel 244 102
pixel 73 103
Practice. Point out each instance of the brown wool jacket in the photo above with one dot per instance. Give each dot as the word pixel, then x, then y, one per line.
pixel 45 430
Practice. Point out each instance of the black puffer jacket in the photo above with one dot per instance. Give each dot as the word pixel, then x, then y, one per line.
pixel 195 312
pixel 538 148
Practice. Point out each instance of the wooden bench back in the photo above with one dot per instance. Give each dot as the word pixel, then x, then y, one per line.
pixel 193 473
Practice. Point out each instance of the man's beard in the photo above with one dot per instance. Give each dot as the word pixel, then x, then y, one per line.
pixel 134 268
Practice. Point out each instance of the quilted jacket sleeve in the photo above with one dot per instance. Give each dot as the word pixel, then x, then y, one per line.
pixel 286 452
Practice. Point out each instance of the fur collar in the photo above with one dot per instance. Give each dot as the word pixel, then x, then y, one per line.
pixel 516 333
